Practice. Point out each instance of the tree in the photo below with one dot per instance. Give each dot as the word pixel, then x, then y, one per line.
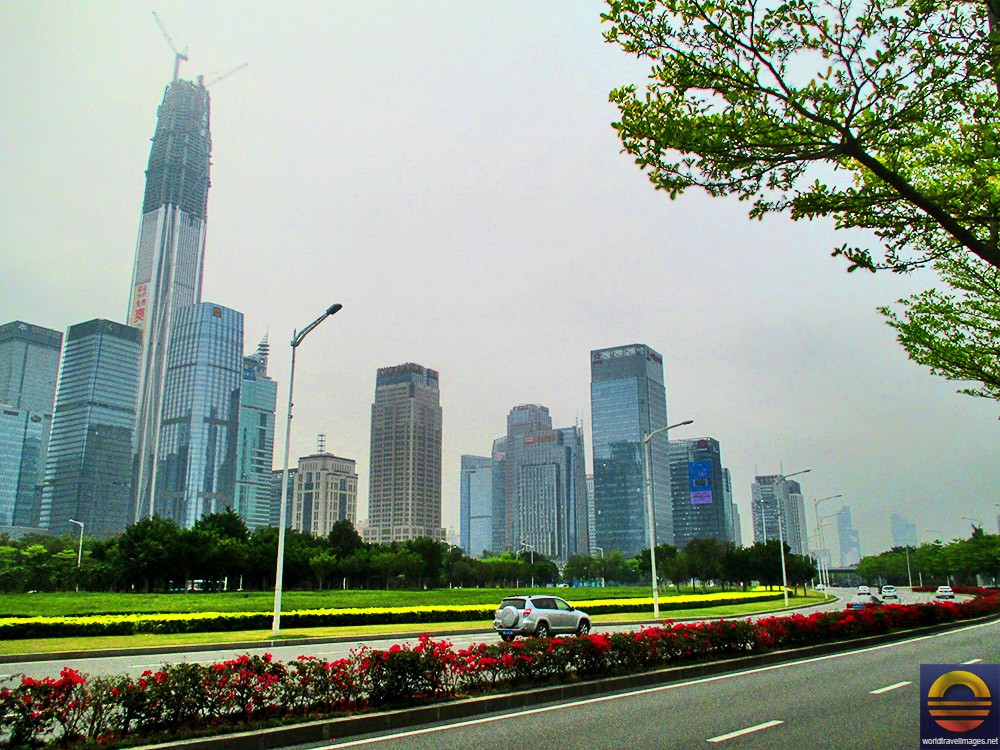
pixel 761 100
pixel 344 539
pixel 956 335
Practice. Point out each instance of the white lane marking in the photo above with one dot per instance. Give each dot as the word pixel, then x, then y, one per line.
pixel 972 661
pixel 644 691
pixel 748 730
pixel 887 688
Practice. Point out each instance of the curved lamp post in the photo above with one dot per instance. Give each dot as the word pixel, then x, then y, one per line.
pixel 297 337
pixel 819 533
pixel 79 551
pixel 781 534
pixel 650 526
pixel 821 524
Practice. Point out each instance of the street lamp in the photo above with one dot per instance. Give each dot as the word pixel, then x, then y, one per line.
pixel 781 533
pixel 79 551
pixel 820 525
pixel 297 337
pixel 819 532
pixel 650 526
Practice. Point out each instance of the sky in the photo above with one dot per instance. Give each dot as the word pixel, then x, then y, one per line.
pixel 447 170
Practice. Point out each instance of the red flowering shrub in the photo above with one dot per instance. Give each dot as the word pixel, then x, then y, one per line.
pixel 106 710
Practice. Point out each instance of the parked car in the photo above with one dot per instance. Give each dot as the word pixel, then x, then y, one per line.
pixel 944 592
pixel 889 592
pixel 538 615
pixel 821 587
pixel 864 591
pixel 864 601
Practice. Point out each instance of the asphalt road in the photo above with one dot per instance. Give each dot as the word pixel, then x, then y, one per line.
pixel 136 663
pixel 863 699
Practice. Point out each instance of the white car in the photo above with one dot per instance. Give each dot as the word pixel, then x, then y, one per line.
pixel 889 592
pixel 944 592
pixel 864 591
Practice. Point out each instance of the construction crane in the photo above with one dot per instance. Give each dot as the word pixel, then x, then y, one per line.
pixel 221 77
pixel 178 56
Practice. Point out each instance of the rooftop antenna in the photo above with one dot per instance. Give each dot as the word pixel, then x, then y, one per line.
pixel 178 56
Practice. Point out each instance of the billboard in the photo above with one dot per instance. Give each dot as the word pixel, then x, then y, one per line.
pixel 700 482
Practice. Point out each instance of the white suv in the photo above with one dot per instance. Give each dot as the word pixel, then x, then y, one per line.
pixel 538 615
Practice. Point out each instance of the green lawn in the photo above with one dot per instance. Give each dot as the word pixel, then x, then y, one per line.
pixel 63 604
pixel 49 645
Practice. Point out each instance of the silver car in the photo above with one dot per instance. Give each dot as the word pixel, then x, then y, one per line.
pixel 538 615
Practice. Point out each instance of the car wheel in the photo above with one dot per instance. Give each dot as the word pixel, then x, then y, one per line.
pixel 507 637
pixel 542 631
pixel 583 628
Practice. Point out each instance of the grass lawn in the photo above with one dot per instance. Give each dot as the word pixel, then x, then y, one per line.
pixel 67 603
pixel 49 645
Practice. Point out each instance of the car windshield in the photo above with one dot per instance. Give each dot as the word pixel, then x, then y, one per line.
pixel 512 602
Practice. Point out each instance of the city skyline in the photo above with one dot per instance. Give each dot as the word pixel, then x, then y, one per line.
pixel 496 171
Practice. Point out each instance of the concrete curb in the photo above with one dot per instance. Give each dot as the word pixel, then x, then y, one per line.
pixel 388 721
pixel 314 641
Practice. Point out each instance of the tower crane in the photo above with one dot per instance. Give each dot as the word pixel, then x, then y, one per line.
pixel 178 56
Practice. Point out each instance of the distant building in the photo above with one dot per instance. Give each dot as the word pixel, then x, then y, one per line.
pixel 476 504
pixel 727 491
pixel 404 489
pixel 627 402
pixel 196 462
pixel 255 441
pixel 773 497
pixel 499 472
pixel 88 474
pixel 276 497
pixel 798 530
pixel 29 366
pixel 591 527
pixel 850 543
pixel 701 509
pixel 904 533
pixel 545 485
pixel 326 491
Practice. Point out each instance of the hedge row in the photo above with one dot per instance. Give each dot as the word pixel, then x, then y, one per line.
pixel 205 622
pixel 253 691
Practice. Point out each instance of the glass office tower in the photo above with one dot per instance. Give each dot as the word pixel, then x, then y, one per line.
pixel 88 473
pixel 169 257
pixel 255 443
pixel 701 506
pixel 476 504
pixel 29 365
pixel 628 400
pixel 196 463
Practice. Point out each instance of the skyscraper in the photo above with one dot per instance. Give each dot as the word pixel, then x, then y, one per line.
pixel 499 521
pixel 404 489
pixel 255 440
pixel 196 458
pixel 701 509
pixel 797 534
pixel 88 474
pixel 326 491
pixel 904 531
pixel 476 504
pixel 772 496
pixel 29 364
pixel 169 255
pixel 850 543
pixel 545 485
pixel 727 491
pixel 628 400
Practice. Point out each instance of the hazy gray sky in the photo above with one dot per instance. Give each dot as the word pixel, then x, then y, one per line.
pixel 448 172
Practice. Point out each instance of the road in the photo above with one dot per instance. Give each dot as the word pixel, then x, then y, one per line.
pixel 136 664
pixel 862 699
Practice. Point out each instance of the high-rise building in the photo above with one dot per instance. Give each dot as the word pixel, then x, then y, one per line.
pixel 850 543
pixel 255 441
pixel 772 495
pixel 196 458
pixel 904 532
pixel 499 471
pixel 326 491
pixel 29 365
pixel 545 485
pixel 734 511
pixel 404 489
pixel 591 528
pixel 276 497
pixel 798 529
pixel 701 509
pixel 628 401
pixel 88 475
pixel 169 255
pixel 476 504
